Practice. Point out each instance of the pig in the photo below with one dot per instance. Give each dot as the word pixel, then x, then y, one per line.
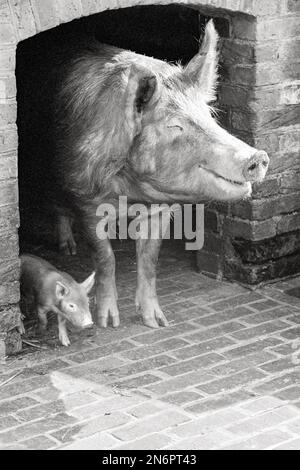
pixel 55 291
pixel 131 125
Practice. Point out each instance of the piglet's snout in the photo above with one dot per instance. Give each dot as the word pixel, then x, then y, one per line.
pixel 87 324
pixel 256 167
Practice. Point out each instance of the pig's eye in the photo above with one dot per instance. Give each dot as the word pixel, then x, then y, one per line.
pixel 72 306
pixel 176 126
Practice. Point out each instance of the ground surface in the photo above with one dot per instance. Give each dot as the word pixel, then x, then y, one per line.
pixel 225 374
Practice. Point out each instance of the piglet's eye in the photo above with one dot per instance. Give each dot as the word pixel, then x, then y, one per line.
pixel 72 306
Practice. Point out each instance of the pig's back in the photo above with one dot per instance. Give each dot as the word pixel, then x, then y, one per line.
pixel 35 274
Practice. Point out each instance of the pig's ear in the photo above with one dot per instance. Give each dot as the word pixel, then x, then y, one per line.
pixel 202 69
pixel 88 283
pixel 61 290
pixel 142 91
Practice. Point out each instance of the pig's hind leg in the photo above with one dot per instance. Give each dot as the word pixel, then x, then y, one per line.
pixel 66 241
pixel 42 316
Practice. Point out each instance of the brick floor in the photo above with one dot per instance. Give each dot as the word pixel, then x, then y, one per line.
pixel 224 375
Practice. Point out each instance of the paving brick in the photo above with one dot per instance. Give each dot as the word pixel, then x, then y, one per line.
pixel 147 426
pixel 221 317
pixel 260 330
pixel 235 301
pixel 8 422
pixel 39 443
pixel 209 441
pixel 239 365
pixel 209 333
pixel 99 441
pixel 278 383
pixel 41 411
pixel 144 352
pixel 73 400
pixel 285 349
pixel 195 363
pixel 291 393
pixel 251 347
pixel 161 334
pixel 107 405
pixel 136 382
pixel 96 353
pixel 257 423
pixel 146 409
pixel 208 423
pixel 10 406
pixel 260 441
pixel 261 404
pixel 182 398
pixel 14 389
pixel 278 366
pixel 293 333
pixel 243 378
pixel 180 383
pixel 269 315
pixel 264 305
pixel 96 368
pixel 293 444
pixel 152 441
pixel 35 428
pixel 88 428
pixel 224 401
pixel 141 366
pixel 181 306
pixel 202 348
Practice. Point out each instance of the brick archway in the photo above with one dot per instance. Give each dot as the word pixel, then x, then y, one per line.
pixel 250 241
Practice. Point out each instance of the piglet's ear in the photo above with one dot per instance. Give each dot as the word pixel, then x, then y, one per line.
pixel 88 283
pixel 61 290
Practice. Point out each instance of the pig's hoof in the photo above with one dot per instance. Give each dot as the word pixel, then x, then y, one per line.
pixel 42 329
pixel 21 328
pixel 106 311
pixel 152 314
pixel 68 247
pixel 64 339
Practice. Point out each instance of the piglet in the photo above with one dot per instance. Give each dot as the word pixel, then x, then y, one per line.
pixel 56 291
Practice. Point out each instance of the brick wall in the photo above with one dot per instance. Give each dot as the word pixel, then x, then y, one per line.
pixel 260 102
pixel 256 240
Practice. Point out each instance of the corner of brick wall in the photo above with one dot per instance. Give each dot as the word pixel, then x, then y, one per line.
pixel 10 340
pixel 259 239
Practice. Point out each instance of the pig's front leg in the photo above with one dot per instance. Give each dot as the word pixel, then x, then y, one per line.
pixel 106 292
pixel 146 298
pixel 104 262
pixel 62 331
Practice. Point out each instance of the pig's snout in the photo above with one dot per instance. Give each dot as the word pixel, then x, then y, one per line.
pixel 256 167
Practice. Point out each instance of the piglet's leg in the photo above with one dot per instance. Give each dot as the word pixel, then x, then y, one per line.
pixel 146 300
pixel 42 315
pixel 62 331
